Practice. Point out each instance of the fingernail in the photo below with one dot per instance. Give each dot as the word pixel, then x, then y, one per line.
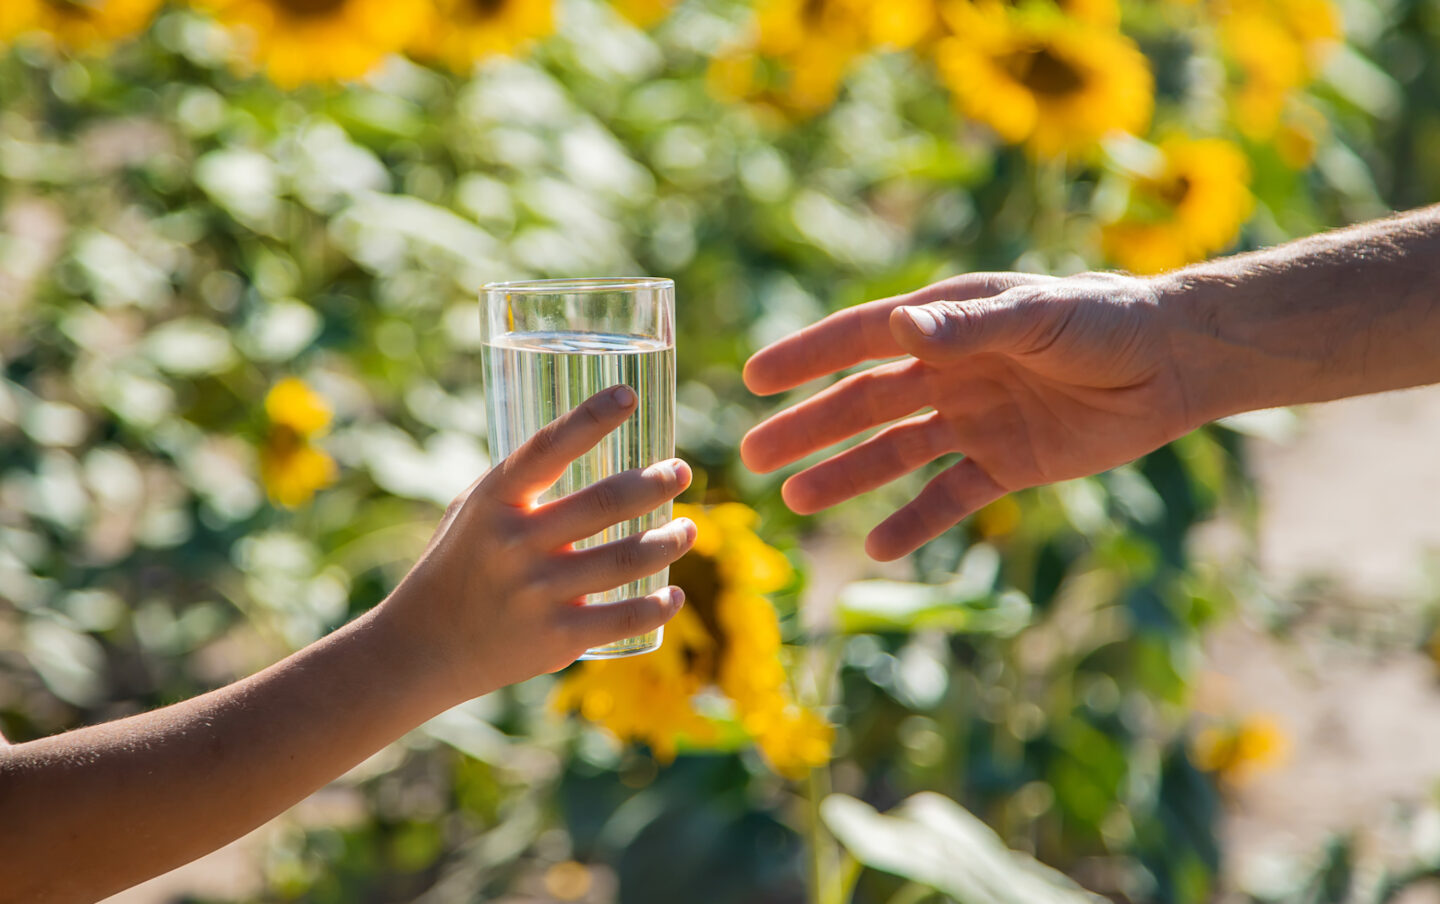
pixel 678 468
pixel 924 321
pixel 622 396
pixel 688 528
pixel 665 470
pixel 677 596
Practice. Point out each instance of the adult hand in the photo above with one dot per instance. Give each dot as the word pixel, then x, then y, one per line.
pixel 1034 379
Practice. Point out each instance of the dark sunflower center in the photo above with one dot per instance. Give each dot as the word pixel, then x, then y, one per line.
pixel 812 11
pixel 1173 190
pixel 486 9
pixel 1040 70
pixel 306 9
pixel 283 441
pixel 75 9
pixel 699 577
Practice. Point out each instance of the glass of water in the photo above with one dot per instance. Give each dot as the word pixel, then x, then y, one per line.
pixel 549 345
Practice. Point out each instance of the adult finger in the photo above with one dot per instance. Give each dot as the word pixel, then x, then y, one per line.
pixel 610 565
pixel 1013 321
pixel 857 334
pixel 956 493
pixel 617 498
pixel 856 403
pixel 839 341
pixel 892 453
pixel 541 460
pixel 598 624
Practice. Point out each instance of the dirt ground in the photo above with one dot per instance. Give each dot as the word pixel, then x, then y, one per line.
pixel 1349 541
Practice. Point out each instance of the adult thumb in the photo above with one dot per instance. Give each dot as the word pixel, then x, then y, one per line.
pixel 945 330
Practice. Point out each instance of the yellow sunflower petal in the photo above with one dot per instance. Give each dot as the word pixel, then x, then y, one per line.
pixel 89 26
pixel 797 743
pixel 291 403
pixel 293 470
pixel 643 13
pixel 466 31
pixel 298 41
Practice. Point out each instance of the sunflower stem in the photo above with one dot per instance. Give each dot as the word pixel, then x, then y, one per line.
pixel 824 885
pixel 812 841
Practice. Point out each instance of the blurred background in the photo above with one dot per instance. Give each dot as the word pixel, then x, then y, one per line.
pixel 240 244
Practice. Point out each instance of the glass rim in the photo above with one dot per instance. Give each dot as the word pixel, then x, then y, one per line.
pixel 580 286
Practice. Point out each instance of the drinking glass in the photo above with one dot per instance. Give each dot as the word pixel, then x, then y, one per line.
pixel 549 345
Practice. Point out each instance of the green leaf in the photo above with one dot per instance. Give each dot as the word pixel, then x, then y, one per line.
pixel 70 662
pixel 934 841
pixel 967 604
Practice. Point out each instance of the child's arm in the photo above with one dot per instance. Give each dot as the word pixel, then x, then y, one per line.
pixel 494 599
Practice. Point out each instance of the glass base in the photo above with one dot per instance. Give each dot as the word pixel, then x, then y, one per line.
pixel 630 646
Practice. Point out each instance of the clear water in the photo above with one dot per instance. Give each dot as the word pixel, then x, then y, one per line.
pixel 533 378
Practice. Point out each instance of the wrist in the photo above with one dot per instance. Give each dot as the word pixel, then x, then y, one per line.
pixel 1211 323
pixel 421 653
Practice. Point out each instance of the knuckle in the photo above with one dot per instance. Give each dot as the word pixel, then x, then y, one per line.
pixel 543 442
pixel 534 584
pixel 850 477
pixel 954 316
pixel 452 511
pixel 569 633
pixel 512 529
pixel 629 555
pixel 1048 322
pixel 607 499
pixel 915 446
pixel 592 414
pixel 629 620
pixel 870 389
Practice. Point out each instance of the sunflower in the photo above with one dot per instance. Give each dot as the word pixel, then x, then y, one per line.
pixel 291 467
pixel 1298 135
pixel 800 54
pixel 900 24
pixel 1055 84
pixel 76 24
pixel 1275 47
pixel 725 642
pixel 1192 207
pixel 1239 750
pixel 1095 12
pixel 299 41
pixel 643 13
pixel 464 31
pixel 787 26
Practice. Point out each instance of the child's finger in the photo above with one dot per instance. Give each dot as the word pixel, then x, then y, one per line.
pixel 545 456
pixel 603 623
pixel 610 565
pixel 606 502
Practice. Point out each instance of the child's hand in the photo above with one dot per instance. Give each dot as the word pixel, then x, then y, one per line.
pixel 497 595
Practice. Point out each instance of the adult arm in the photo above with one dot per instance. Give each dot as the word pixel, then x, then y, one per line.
pixel 496 597
pixel 1339 314
pixel 1037 379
